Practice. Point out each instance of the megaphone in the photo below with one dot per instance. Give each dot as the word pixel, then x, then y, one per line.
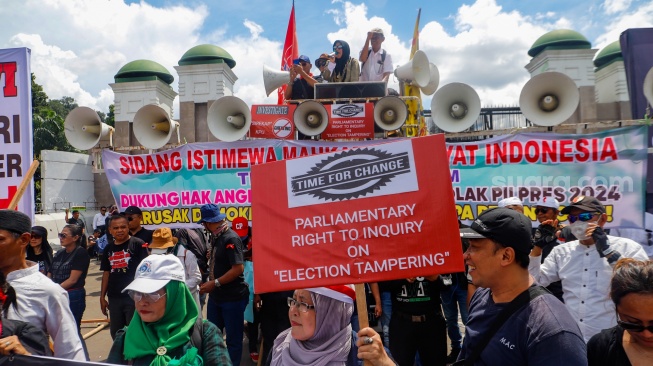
pixel 648 86
pixel 311 118
pixel 153 127
pixel 434 81
pixel 455 107
pixel 549 98
pixel 229 118
pixel 390 113
pixel 273 79
pixel 84 129
pixel 417 70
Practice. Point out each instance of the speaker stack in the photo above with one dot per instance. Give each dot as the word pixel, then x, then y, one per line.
pixel 549 98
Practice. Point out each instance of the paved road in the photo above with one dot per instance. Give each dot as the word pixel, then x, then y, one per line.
pixel 99 344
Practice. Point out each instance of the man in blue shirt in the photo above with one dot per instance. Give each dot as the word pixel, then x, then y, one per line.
pixel 540 333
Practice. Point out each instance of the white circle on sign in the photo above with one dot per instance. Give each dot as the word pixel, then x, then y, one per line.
pixel 282 128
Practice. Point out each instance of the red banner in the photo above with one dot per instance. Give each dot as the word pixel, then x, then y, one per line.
pixel 350 121
pixel 290 51
pixel 273 121
pixel 362 215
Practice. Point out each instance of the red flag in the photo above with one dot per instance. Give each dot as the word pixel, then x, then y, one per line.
pixel 290 51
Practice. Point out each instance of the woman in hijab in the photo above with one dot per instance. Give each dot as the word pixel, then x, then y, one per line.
pixel 165 330
pixel 321 333
pixel 17 337
pixel 39 249
pixel 347 68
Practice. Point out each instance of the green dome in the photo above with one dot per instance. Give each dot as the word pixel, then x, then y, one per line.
pixel 608 55
pixel 143 70
pixel 561 39
pixel 206 54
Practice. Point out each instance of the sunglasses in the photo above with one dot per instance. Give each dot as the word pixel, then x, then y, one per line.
pixel 303 63
pixel 542 210
pixel 62 236
pixel 634 327
pixel 151 298
pixel 130 218
pixel 583 216
pixel 36 236
pixel 336 48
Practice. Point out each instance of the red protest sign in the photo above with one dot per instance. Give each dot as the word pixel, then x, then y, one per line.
pixel 350 121
pixel 272 121
pixel 362 215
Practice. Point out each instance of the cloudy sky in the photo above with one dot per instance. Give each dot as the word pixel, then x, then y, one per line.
pixel 79 45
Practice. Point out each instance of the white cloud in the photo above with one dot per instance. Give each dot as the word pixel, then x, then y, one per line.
pixel 639 17
pixel 616 6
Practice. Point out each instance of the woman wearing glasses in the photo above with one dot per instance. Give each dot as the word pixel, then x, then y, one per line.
pixel 39 249
pixel 347 68
pixel 631 290
pixel 165 328
pixel 70 267
pixel 320 332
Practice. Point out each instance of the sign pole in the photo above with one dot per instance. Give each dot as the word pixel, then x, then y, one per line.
pixel 23 185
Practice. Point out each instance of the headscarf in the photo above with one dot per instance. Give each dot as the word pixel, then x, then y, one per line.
pixel 45 245
pixel 171 331
pixel 329 346
pixel 342 61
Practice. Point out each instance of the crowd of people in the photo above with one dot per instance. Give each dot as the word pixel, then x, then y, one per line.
pixel 554 294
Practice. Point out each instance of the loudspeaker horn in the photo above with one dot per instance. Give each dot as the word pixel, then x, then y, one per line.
pixel 455 107
pixel 390 113
pixel 434 81
pixel 648 86
pixel 417 70
pixel 273 79
pixel 84 129
pixel 229 118
pixel 311 118
pixel 153 127
pixel 549 98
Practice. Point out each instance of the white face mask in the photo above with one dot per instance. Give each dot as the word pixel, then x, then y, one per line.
pixel 578 228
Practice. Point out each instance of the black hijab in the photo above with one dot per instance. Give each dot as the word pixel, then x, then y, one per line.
pixel 342 61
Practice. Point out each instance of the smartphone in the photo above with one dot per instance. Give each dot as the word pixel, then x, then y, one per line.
pixel 295 62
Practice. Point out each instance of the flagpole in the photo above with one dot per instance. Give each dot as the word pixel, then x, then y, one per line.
pixel 415 124
pixel 290 51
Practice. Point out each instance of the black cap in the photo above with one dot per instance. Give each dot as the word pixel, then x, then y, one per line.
pixel 585 203
pixel 133 210
pixel 15 221
pixel 503 225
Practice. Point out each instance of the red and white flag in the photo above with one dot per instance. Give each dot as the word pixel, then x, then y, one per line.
pixel 290 51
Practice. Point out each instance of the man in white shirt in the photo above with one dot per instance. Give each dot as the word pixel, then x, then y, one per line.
pixel 99 220
pixel 585 266
pixel 41 302
pixel 376 63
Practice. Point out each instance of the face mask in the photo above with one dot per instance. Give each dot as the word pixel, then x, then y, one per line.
pixel 578 228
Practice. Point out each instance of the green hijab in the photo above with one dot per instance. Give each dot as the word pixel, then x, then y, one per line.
pixel 171 331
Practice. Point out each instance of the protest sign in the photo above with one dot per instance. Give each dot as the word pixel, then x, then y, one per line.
pixel 361 215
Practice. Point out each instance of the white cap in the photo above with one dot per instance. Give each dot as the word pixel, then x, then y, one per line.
pixel 155 271
pixel 548 202
pixel 510 201
pixel 344 293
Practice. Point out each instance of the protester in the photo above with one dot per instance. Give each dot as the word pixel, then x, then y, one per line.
pixel 194 241
pixel 163 242
pixel 119 263
pixel 545 237
pixel 346 68
pixel 322 64
pixel 631 291
pixel 584 266
pixel 76 220
pixel 135 216
pixel 39 250
pixel 92 247
pixel 16 337
pixel 99 220
pixel 69 269
pixel 228 292
pixel 537 329
pixel 513 203
pixel 273 316
pixel 301 83
pixel 376 63
pixel 166 328
pixel 40 301
pixel 321 333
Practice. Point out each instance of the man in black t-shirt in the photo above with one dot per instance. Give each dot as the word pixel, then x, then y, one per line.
pixel 135 217
pixel 75 220
pixel 417 324
pixel 119 262
pixel 227 289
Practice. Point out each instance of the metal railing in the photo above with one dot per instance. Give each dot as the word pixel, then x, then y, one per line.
pixel 491 118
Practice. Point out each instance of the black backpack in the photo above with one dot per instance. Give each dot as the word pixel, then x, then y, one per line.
pixel 369 52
